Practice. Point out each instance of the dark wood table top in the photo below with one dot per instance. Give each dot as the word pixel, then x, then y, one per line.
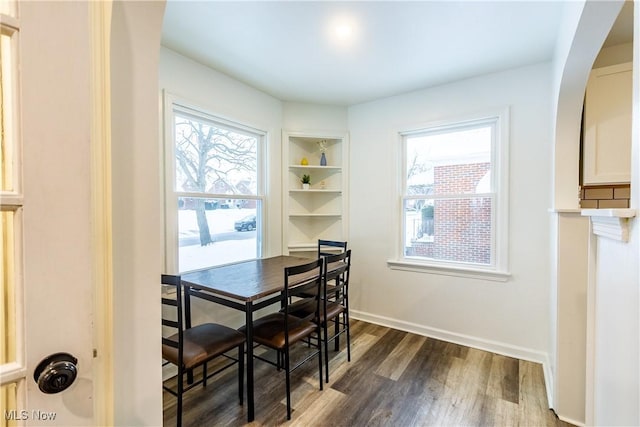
pixel 246 280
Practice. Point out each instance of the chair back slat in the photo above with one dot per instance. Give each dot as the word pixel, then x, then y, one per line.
pixel 329 247
pixel 169 301
pixel 170 323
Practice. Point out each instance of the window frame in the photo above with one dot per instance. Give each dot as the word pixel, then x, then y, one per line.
pixel 497 270
pixel 173 103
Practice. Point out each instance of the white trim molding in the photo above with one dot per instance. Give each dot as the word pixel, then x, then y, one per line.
pixel 100 14
pixel 610 223
pixel 449 270
pixel 454 337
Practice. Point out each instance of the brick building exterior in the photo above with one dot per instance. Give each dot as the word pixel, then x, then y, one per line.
pixel 461 227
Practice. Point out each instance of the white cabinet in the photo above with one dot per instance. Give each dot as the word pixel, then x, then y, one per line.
pixel 607 126
pixel 321 211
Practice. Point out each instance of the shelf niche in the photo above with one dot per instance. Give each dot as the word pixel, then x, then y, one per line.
pixel 321 211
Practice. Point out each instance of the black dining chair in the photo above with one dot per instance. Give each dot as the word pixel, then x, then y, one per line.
pixel 190 347
pixel 280 331
pixel 334 304
pixel 330 247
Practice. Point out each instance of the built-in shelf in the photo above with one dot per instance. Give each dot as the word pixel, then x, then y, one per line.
pixel 316 191
pixel 610 223
pixel 319 212
pixel 331 168
pixel 315 215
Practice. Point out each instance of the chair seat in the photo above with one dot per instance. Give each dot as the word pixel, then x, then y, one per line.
pixel 269 330
pixel 305 309
pixel 203 342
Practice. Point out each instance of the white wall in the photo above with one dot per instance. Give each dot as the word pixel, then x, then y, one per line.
pixel 569 73
pixel 309 117
pixel 617 328
pixel 570 308
pixel 137 236
pixel 567 325
pixel 565 116
pixel 511 317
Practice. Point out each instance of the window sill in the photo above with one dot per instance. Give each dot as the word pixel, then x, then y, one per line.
pixel 467 272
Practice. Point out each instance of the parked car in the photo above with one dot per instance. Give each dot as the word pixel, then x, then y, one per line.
pixel 247 223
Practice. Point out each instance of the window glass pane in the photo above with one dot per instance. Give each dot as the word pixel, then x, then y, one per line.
pixel 9 405
pixel 455 230
pixel 418 216
pixel 6 137
pixel 8 7
pixel 7 298
pixel 217 231
pixel 211 159
pixel 454 162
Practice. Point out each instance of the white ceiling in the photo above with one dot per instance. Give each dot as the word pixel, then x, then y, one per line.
pixel 288 50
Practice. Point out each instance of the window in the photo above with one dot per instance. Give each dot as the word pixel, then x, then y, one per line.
pixel 454 207
pixel 215 191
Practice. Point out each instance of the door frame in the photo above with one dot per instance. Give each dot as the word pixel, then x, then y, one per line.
pixel 101 211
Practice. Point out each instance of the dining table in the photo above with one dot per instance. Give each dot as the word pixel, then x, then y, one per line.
pixel 246 286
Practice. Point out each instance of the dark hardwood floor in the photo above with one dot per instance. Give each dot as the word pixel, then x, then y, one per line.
pixel 394 379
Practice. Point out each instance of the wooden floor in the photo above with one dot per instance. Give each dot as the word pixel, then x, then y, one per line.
pixel 394 379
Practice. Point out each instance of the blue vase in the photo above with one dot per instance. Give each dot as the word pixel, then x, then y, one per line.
pixel 323 160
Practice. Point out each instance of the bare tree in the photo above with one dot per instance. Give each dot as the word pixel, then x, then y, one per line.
pixel 207 157
pixel 415 167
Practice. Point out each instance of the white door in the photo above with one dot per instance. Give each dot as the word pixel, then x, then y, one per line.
pixel 48 242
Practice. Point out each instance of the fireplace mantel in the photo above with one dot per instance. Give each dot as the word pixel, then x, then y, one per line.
pixel 610 223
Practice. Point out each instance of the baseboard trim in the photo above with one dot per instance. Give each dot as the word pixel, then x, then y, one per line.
pixel 169 371
pixel 469 341
pixel 548 381
pixel 570 421
pixel 453 337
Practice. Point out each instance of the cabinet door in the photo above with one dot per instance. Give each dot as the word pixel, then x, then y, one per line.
pixel 607 125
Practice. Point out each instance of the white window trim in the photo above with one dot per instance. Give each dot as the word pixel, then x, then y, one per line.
pixel 499 271
pixel 171 196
